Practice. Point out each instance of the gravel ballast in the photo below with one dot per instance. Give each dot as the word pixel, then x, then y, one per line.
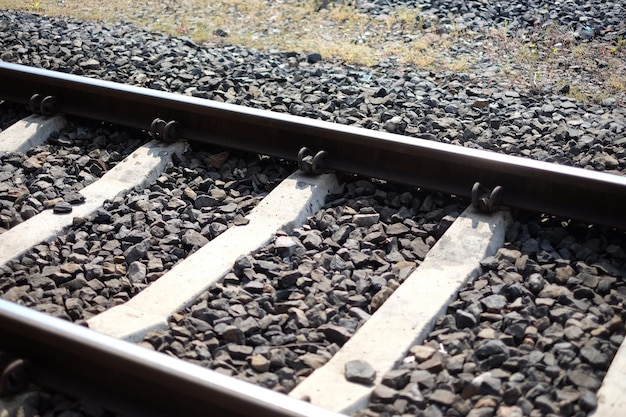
pixel 588 19
pixel 49 176
pixel 112 254
pixel 533 335
pixel 284 311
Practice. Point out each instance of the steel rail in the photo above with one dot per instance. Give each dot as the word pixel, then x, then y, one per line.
pixel 533 185
pixel 130 379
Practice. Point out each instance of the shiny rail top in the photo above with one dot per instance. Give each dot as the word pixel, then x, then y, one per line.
pixel 130 379
pixel 538 186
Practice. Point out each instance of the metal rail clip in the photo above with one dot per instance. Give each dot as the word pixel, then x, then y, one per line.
pixel 14 374
pixel 310 164
pixel 166 131
pixel 45 105
pixel 484 199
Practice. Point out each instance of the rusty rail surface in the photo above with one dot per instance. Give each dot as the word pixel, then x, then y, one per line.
pixel 537 186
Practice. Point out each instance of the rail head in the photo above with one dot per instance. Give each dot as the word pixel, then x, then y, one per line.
pixel 595 197
pixel 128 378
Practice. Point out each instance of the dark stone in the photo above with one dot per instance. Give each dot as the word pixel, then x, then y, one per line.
pixel 313 58
pixel 194 239
pixel 233 334
pixel 489 348
pixel 487 384
pixel 594 357
pixel 546 405
pixel 336 334
pixel 494 303
pixel 535 283
pixel 396 229
pixel 464 319
pixel 384 394
pixel 588 401
pixel 285 246
pixel 74 197
pixel 396 379
pixel 62 207
pixel 239 351
pixel 136 252
pixel 205 201
pixel 491 354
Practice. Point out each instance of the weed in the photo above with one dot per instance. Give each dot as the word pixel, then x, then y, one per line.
pixel 579 51
pixel 405 18
pixel 617 82
pixel 341 13
pixel 37 8
pixel 619 44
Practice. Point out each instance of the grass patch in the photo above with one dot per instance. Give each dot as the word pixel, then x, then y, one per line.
pixel 338 30
pixel 554 58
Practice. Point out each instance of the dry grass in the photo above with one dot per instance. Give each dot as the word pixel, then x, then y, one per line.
pixel 554 58
pixel 340 31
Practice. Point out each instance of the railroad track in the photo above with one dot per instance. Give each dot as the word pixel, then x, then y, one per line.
pixel 237 302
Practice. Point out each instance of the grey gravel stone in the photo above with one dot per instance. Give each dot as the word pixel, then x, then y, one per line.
pixel 481 412
pixel 583 377
pixel 396 379
pixel 337 334
pixel 494 303
pixel 127 254
pixel 194 239
pixel 443 397
pixel 62 207
pixel 285 245
pixel 360 372
pixel 366 219
pixel 464 319
pixel 301 299
pixel 490 348
pixel 588 401
pixel 547 329
pixel 383 393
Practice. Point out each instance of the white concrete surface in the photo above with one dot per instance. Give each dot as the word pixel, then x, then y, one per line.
pixel 286 207
pixel 612 392
pixel 409 314
pixel 29 132
pixel 142 166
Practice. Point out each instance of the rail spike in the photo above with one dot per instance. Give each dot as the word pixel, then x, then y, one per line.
pixel 312 164
pixel 484 199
